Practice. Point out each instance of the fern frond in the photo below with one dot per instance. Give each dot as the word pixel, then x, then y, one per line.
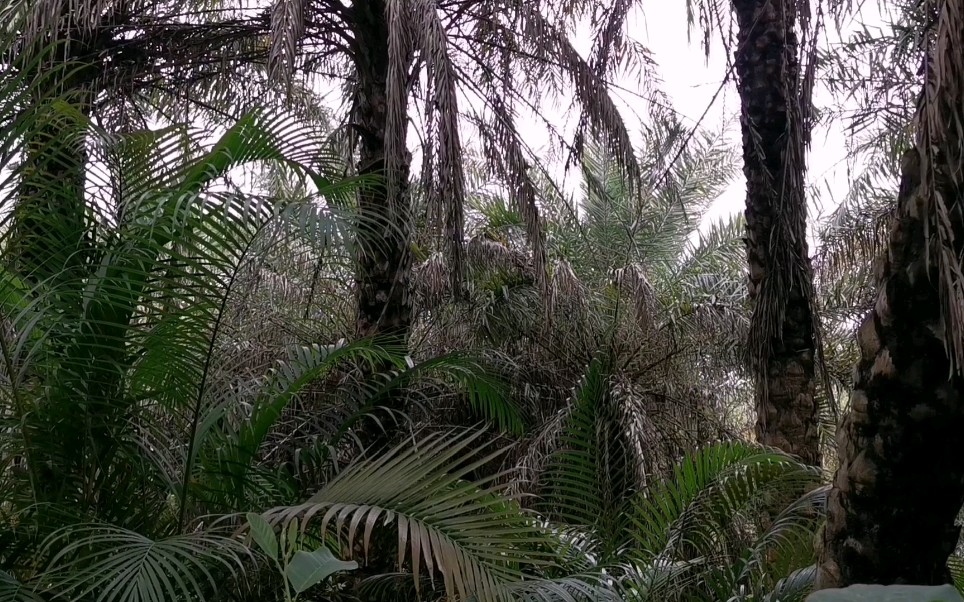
pixel 476 539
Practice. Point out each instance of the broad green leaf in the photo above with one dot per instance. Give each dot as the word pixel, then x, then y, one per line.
pixel 263 535
pixel 311 568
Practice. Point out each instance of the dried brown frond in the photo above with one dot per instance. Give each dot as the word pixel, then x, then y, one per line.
pixel 287 29
pixel 487 254
pixel 504 152
pixel 400 46
pixel 568 299
pixel 432 281
pixel 601 117
pixel 451 180
pixel 940 151
pixel 631 280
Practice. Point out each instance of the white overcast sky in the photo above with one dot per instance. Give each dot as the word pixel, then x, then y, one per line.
pixel 691 80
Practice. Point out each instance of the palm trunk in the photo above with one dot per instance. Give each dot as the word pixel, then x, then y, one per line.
pixel 900 482
pixel 384 265
pixel 783 341
pixel 384 260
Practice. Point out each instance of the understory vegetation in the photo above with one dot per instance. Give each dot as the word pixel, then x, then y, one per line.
pixel 258 347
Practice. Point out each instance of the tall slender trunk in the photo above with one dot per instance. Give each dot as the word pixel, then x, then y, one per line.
pixel 384 260
pixel 900 482
pixel 383 272
pixel 783 341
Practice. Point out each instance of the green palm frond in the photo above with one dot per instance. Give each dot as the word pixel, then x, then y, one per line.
pixel 795 587
pixel 14 591
pixel 592 466
pixel 588 588
pixel 476 380
pixel 111 563
pixel 650 225
pixel 229 462
pixel 477 540
pixel 708 488
pixel 705 514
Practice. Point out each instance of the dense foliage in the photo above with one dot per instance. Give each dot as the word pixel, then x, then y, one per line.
pixel 193 407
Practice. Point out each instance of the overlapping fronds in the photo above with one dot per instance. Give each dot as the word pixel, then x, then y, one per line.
pixel 475 381
pixel 140 57
pixel 505 152
pixel 475 539
pixel 685 172
pixel 601 451
pixel 579 588
pixel 14 591
pixel 704 515
pixel 230 467
pixel 110 367
pixel 874 77
pixel 590 467
pixel 939 142
pixel 111 563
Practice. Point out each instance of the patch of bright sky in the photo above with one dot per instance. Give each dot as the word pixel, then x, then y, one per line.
pixel 692 79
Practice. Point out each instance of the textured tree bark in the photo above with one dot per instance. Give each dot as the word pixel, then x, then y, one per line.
pixel 384 262
pixel 780 274
pixel 384 258
pixel 900 482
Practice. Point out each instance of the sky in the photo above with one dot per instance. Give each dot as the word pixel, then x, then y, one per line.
pixel 691 80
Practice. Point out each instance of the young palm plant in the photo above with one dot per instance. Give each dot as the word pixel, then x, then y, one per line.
pixel 632 281
pixel 131 439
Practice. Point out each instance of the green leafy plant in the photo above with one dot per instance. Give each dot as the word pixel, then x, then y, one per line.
pixel 302 569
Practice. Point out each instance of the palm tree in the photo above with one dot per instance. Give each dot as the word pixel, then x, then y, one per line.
pixel 897 445
pixel 639 302
pixel 130 423
pixel 120 65
pixel 396 53
pixel 783 342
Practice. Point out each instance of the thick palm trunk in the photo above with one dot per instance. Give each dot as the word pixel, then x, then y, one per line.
pixel 783 341
pixel 900 483
pixel 384 260
pixel 384 264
